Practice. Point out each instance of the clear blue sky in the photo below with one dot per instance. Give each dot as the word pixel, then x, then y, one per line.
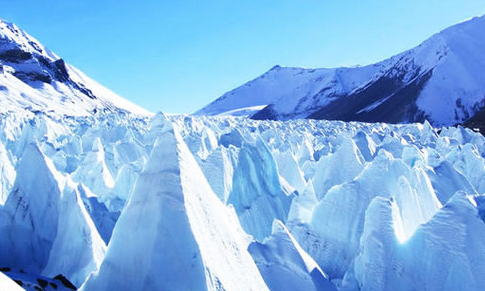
pixel 177 55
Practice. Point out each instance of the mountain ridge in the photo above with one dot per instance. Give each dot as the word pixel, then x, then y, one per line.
pixel 439 80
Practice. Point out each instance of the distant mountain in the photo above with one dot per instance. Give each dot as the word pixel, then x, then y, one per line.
pixel 34 78
pixel 442 80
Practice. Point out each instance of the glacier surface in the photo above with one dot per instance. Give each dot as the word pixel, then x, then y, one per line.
pixel 227 203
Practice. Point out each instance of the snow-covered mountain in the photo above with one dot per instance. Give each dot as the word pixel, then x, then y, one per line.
pixel 441 80
pixel 34 78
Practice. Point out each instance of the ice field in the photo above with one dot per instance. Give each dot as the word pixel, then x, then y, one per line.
pixel 115 202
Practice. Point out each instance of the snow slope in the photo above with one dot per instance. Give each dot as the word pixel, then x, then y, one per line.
pixel 440 80
pixel 8 284
pixel 34 78
pixel 286 83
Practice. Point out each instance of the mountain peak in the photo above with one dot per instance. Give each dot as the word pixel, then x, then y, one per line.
pixel 14 38
pixel 33 78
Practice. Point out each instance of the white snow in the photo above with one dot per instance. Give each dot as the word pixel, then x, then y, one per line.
pixel 458 76
pixel 245 111
pixel 294 91
pixel 8 284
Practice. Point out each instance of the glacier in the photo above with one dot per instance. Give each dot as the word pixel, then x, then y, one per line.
pixel 183 202
pixel 39 230
pixel 285 265
pixel 439 255
pixel 174 233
